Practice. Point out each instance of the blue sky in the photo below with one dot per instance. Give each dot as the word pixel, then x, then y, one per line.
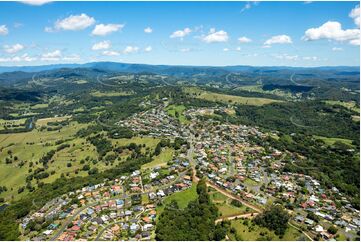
pixel 181 33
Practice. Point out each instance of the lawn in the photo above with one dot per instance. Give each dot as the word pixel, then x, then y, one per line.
pixel 243 231
pixel 160 160
pixel 173 109
pixel 212 96
pixel 182 198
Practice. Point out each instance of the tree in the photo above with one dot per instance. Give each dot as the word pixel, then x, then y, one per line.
pixel 274 218
pixel 332 230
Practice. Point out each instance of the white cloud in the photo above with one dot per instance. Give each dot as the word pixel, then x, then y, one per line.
pixel 23 58
pixel 105 29
pixel 75 22
pixel 216 36
pixel 36 2
pixel 181 33
pixel 355 14
pixel 3 30
pixel 225 49
pixel 110 53
pixel 249 5
pixel 337 49
pixel 238 48
pixel 130 49
pixel 287 57
pixel 148 49
pixel 11 49
pixel 74 57
pixel 49 29
pixel 312 58
pixel 333 31
pixel 244 40
pixel 184 50
pixel 355 41
pixel 266 46
pixel 279 39
pixel 51 56
pixel 103 45
pixel 148 30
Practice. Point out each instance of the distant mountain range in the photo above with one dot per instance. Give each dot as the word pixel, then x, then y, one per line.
pixel 171 69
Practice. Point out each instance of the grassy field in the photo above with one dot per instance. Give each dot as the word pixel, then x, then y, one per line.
pixel 258 88
pixel 148 141
pixel 109 94
pixel 160 160
pixel 245 234
pixel 30 147
pixel 224 206
pixel 45 121
pixel 331 141
pixel 182 198
pixel 20 122
pixel 212 96
pixel 173 109
pixel 349 105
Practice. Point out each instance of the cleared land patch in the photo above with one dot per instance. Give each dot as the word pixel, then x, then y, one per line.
pixel 225 98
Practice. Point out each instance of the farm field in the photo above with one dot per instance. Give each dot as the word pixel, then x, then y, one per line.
pixel 225 98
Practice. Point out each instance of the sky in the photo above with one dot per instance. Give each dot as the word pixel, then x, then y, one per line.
pixel 181 33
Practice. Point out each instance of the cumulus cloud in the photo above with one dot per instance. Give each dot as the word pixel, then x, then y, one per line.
pixel 148 49
pixel 244 40
pixel 278 39
pixel 51 56
pixel 3 30
pixel 103 45
pixel 110 53
pixel 181 33
pixel 105 29
pixel 225 49
pixel 238 48
pixel 130 49
pixel 216 36
pixel 332 30
pixel 11 49
pixel 74 22
pixel 148 30
pixel 36 2
pixel 355 14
